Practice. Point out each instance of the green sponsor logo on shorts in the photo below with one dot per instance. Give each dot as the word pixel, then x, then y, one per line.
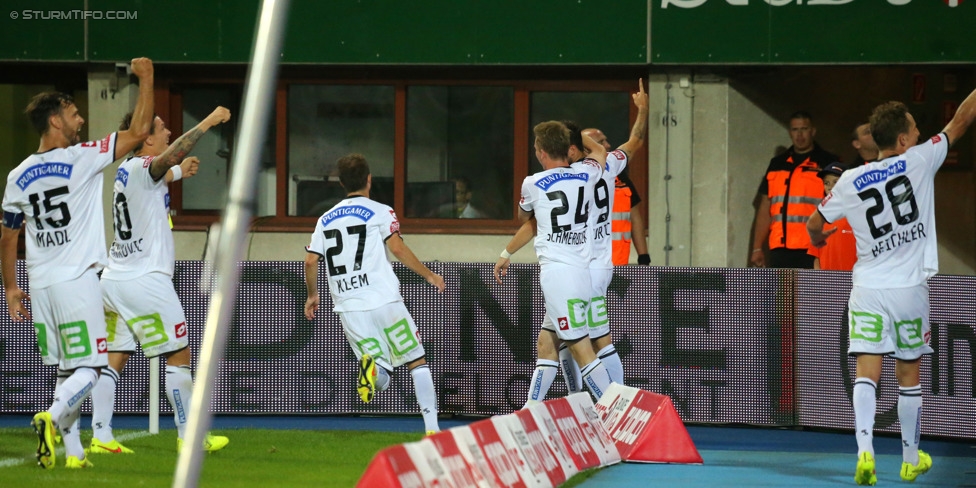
pixel 866 326
pixel 370 346
pixel 74 340
pixel 41 338
pixel 150 330
pixel 400 338
pixel 909 333
pixel 598 312
pixel 577 313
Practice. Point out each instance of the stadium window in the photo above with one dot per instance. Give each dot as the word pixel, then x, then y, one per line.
pixel 459 152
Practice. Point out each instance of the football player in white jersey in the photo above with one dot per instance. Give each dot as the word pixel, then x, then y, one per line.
pixel 601 264
pixel 559 200
pixel 57 194
pixel 352 239
pixel 890 205
pixel 140 301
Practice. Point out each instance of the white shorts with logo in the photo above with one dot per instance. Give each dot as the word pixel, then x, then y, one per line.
pixel 567 291
pixel 144 311
pixel 597 319
pixel 893 321
pixel 388 334
pixel 70 324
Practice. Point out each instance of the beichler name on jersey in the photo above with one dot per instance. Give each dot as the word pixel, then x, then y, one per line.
pixel 120 250
pixel 51 238
pixel 351 283
pixel 60 170
pixel 359 211
pixel 892 242
pixel 568 237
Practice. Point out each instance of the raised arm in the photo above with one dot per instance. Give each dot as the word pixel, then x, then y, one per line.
pixel 595 150
pixel 962 120
pixel 407 257
pixel 142 115
pixel 182 146
pixel 639 131
pixel 187 168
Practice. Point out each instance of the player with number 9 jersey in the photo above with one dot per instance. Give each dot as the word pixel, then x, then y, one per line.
pixel 890 206
pixel 351 238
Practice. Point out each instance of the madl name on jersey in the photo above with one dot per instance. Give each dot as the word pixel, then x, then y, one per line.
pixel 52 238
pixel 351 283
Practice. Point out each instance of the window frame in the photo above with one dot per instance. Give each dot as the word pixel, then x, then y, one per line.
pixel 524 81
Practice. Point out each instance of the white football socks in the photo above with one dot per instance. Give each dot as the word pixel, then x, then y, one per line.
pixel 545 373
pixel 66 409
pixel 910 417
pixel 423 386
pixel 865 406
pixel 103 404
pixel 571 371
pixel 609 357
pixel 179 388
pixel 596 378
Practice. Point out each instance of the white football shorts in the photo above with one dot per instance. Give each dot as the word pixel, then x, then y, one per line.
pixel 144 311
pixel 388 334
pixel 893 321
pixel 567 292
pixel 70 324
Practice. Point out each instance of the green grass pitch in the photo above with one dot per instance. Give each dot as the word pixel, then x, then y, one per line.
pixel 254 457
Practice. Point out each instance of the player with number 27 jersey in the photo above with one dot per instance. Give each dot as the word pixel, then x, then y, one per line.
pixel 59 193
pixel 351 238
pixel 890 206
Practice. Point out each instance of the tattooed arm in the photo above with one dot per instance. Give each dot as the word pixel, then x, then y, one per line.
pixel 639 131
pixel 182 146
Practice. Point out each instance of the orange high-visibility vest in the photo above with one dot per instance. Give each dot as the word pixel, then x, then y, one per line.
pixel 793 197
pixel 620 224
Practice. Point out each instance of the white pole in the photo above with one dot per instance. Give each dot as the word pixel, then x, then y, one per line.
pixel 154 395
pixel 258 98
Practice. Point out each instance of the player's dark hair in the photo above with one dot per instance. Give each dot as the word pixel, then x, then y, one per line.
pixel 888 121
pixel 855 134
pixel 43 106
pixel 127 122
pixel 353 171
pixel 575 135
pixel 553 138
pixel 801 114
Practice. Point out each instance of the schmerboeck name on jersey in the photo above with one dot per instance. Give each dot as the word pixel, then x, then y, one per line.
pixel 892 242
pixel 568 237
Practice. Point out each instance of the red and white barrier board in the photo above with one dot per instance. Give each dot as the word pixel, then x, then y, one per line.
pixel 645 426
pixel 539 447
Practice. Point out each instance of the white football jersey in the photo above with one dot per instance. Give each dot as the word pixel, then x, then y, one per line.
pixel 890 205
pixel 60 194
pixel 143 240
pixel 351 238
pixel 600 222
pixel 562 199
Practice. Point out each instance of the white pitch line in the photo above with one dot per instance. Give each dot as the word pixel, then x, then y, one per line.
pixel 10 462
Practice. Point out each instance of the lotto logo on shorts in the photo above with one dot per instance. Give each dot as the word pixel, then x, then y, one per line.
pixel 181 330
pixel 102 345
pixel 563 323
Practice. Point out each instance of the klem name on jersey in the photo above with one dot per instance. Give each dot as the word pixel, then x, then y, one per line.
pixel 52 238
pixel 358 211
pixel 891 242
pixel 43 170
pixel 872 177
pixel 351 283
pixel 554 178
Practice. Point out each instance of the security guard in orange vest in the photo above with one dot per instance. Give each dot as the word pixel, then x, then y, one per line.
pixel 627 224
pixel 788 194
